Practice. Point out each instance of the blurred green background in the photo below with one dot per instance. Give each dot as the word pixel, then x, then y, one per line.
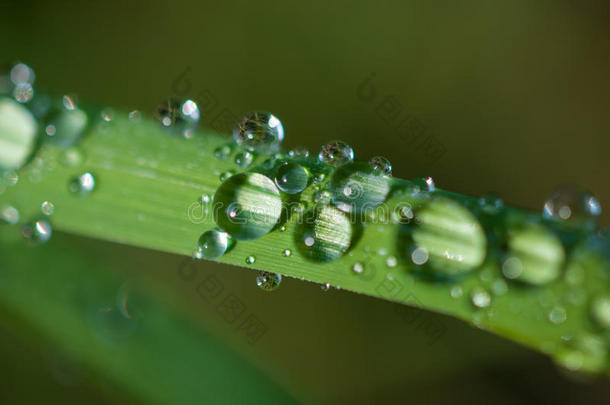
pixel 515 93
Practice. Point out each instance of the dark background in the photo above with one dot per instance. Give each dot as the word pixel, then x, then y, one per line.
pixel 516 93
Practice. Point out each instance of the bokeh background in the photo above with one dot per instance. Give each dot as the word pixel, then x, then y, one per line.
pixel 513 96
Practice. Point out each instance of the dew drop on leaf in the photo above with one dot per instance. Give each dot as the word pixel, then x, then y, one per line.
pixel 37 232
pixel 82 185
pixel 325 234
pixel 381 165
pixel 47 208
pixel 178 116
pixel 268 281
pixel 336 153
pixel 213 243
pixel 291 178
pixel 259 132
pixel 573 205
pixel 248 206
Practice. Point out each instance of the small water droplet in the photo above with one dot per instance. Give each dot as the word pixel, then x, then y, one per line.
pixel 23 92
pixel 72 157
pixel 47 208
pixel 214 243
pixel 319 178
pixel 259 132
pixel 381 165
pixel 325 287
pixel 197 254
pixel 134 116
pixel 558 315
pixel 499 287
pixel 224 176
pixel 178 116
pixel 391 261
pixel 10 215
pixel 222 152
pixel 82 185
pixel 287 252
pixel 244 159
pixel 572 205
pixel 420 256
pixel 291 178
pixel 268 281
pixel 298 152
pixel 336 153
pixel 65 123
pixel 480 298
pixel 21 73
pixel 456 291
pixel 37 232
pixel 205 198
pixel 107 114
pixel 322 197
pixel 250 259
pixel 491 203
pixel 358 267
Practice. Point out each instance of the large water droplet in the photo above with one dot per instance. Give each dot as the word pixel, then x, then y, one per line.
pixel 213 244
pixel 451 237
pixel 355 187
pixel 178 116
pixel 248 206
pixel 259 132
pixel 325 234
pixel 18 130
pixel 268 281
pixel 336 153
pixel 82 185
pixel 572 205
pixel 535 256
pixel 37 232
pixel 291 178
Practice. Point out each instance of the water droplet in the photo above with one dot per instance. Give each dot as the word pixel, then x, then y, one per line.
pixel 179 116
pixel 224 176
pixel 134 116
pixel 480 298
pixel 82 185
pixel 600 311
pixel 249 206
pixel 336 153
pixel 535 256
pixel 18 129
pixel 213 243
pixel 319 178
pixel 572 205
pixel 65 123
pixel 250 259
pixel 47 208
pixel 356 188
pixel 259 132
pixel 325 234
pixel 391 261
pixel 72 157
pixel 381 165
pixel 197 254
pixel 358 267
pixel 456 291
pixel 268 281
pixel 325 287
pixel 322 197
pixel 222 152
pixel 291 178
pixel 9 214
pixel 287 252
pixel 107 114
pixel 23 92
pixel 491 204
pixel 420 256
pixel 205 198
pixel 22 73
pixel 298 152
pixel 37 232
pixel 453 240
pixel 586 352
pixel 558 315
pixel 499 287
pixel 244 159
